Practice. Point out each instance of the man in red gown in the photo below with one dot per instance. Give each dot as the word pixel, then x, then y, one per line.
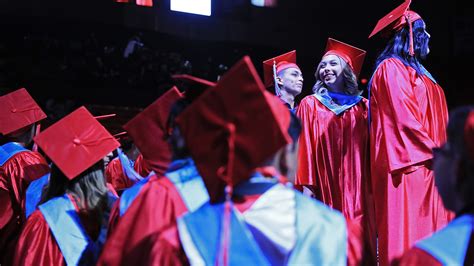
pixel 453 165
pixel 409 117
pixel 18 165
pixel 285 76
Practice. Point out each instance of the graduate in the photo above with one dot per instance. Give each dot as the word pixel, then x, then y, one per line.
pixel 70 225
pixel 454 178
pixel 147 209
pixel 127 168
pixel 19 166
pixel 253 219
pixel 409 117
pixel 333 160
pixel 285 76
pixel 151 131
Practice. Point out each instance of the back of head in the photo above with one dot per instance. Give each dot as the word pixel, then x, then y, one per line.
pixel 88 188
pixel 399 45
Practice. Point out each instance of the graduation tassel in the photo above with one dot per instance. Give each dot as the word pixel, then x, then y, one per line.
pixel 277 88
pixel 411 49
pixel 226 174
pixel 104 116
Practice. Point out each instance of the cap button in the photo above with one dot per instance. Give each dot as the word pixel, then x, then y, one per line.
pixel 14 110
pixel 76 141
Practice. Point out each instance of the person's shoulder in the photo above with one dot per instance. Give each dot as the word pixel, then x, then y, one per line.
pixel 391 62
pixel 28 156
pixel 308 101
pixel 35 221
pixel 326 216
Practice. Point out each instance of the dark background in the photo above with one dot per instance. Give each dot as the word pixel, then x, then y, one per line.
pixel 70 53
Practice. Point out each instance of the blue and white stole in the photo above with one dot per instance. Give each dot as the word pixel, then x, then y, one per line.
pixel 8 150
pixel 337 102
pixel 66 227
pixel 245 246
pixel 449 245
pixel 184 175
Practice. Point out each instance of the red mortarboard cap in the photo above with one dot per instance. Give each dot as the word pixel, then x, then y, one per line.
pixel 236 115
pixel 395 19
pixel 149 131
pixel 353 56
pixel 18 110
pixel 282 62
pixel 76 142
pixel 469 134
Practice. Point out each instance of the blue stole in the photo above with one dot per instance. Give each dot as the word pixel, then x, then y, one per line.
pixel 449 245
pixel 322 240
pixel 184 175
pixel 33 194
pixel 338 102
pixel 188 183
pixel 66 227
pixel 242 249
pixel 127 167
pixel 8 150
pixel 130 194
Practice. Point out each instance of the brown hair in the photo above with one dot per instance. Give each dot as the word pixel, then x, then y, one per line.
pixel 350 81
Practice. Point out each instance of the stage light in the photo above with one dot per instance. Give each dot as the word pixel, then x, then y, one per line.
pixel 199 7
pixel 265 3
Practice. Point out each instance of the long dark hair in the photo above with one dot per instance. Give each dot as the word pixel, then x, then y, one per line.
pixel 399 46
pixel 88 189
pixel 350 81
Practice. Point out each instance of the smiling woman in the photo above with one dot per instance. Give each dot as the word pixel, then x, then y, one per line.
pixel 333 158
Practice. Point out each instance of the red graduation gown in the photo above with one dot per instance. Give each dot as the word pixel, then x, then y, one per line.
pixel 115 175
pixel 333 159
pixel 409 118
pixel 15 175
pixel 145 234
pixel 36 245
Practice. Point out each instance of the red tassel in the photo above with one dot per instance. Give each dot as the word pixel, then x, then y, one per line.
pixel 226 174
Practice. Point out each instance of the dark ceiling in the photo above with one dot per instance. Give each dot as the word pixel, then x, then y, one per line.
pixel 236 28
